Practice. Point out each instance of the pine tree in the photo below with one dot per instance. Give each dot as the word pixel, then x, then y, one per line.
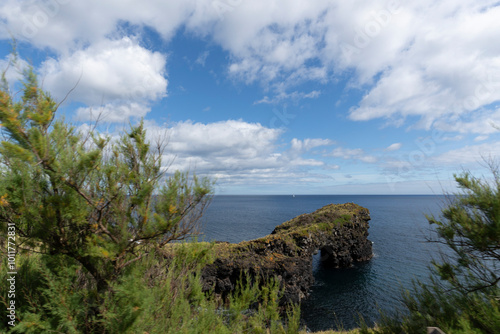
pixel 93 216
pixel 463 294
pixel 102 202
pixel 470 228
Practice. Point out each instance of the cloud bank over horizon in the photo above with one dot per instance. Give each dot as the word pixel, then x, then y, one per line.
pixel 379 79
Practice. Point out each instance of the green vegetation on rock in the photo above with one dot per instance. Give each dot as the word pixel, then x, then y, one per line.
pixel 340 230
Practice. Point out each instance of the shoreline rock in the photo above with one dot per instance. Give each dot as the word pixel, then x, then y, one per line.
pixel 338 231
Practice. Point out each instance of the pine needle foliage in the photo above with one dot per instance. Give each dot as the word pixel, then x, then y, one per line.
pixel 93 216
pixel 463 294
pixel 102 203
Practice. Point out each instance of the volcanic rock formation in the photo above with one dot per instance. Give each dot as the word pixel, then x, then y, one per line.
pixel 338 231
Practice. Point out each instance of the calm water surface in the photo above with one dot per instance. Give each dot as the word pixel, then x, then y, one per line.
pixel 398 229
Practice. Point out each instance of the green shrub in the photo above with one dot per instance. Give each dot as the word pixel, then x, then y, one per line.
pixel 463 295
pixel 92 217
pixel 155 295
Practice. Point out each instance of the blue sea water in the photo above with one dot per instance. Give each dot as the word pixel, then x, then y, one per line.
pixel 398 230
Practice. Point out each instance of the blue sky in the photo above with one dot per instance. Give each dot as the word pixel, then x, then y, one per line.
pixel 280 96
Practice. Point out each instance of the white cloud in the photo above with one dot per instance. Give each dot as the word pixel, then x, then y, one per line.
pixel 236 152
pixel 418 187
pixel 301 146
pixel 109 71
pixel 444 72
pixel 270 44
pixel 222 139
pixel 65 25
pixel 294 96
pixel 470 154
pixel 393 147
pixel 481 138
pixel 403 49
pixel 202 58
pixel 408 46
pixel 352 154
pixel 483 122
pixel 112 113
pixel 436 61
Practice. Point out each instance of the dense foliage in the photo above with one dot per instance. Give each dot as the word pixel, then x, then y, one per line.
pixel 463 295
pixel 90 217
pixel 155 295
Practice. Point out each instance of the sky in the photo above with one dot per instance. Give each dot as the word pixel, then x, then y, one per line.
pixel 278 96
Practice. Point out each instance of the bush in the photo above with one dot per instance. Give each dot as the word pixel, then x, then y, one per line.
pixel 463 295
pixel 156 295
pixel 91 217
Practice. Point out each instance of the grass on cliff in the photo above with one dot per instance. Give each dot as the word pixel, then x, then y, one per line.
pixel 330 215
pixel 321 220
pixel 158 295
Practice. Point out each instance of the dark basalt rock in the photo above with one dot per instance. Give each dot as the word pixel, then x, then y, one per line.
pixel 339 231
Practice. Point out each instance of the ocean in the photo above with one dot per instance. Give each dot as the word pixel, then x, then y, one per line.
pixel 398 230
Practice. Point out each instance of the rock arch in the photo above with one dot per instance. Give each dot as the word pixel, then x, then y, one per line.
pixel 339 231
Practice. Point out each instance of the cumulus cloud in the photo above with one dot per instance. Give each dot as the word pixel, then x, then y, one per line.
pixel 307 144
pixel 402 51
pixel 238 152
pixel 483 121
pixel 61 25
pixel 393 147
pixel 230 138
pixel 442 74
pixel 429 61
pixel 111 70
pixel 399 52
pixel 352 154
pixel 470 154
pixel 112 112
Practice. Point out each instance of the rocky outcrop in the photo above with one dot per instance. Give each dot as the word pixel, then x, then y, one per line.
pixel 338 231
